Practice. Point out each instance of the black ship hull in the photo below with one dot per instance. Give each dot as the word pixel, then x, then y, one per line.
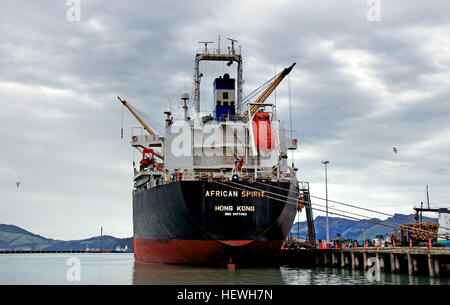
pixel 211 223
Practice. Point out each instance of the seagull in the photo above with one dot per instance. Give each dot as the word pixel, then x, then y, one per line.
pixel 18 183
pixel 394 149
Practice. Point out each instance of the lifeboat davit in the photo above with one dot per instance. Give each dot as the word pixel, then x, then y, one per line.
pixel 262 131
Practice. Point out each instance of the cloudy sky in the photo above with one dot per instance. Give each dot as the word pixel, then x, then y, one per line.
pixel 366 80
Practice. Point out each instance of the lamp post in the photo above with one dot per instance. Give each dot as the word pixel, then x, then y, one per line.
pixel 326 198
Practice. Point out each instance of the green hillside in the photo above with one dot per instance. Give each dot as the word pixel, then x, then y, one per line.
pixel 16 238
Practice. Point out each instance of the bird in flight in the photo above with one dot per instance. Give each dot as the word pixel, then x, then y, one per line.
pixel 394 149
pixel 18 183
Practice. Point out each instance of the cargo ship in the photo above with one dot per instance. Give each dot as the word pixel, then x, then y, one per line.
pixel 216 188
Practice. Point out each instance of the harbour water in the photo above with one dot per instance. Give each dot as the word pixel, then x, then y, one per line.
pixel 121 269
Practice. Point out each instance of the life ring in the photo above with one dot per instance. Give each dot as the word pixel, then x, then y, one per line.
pixel 134 138
pixel 159 167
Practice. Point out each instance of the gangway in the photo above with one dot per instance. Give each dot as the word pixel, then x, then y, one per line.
pixel 305 200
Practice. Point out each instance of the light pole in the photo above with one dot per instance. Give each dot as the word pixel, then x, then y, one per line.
pixel 326 198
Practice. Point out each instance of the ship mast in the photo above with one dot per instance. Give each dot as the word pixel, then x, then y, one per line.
pixel 216 55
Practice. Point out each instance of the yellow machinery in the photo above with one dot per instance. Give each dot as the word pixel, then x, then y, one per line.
pixel 263 97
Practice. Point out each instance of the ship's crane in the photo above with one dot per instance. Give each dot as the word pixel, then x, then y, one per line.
pixel 263 97
pixel 146 127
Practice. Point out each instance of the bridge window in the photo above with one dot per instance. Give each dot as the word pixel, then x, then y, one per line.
pixel 225 95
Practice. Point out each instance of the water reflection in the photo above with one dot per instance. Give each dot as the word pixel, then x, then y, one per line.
pixel 164 274
pixel 121 269
pixel 161 274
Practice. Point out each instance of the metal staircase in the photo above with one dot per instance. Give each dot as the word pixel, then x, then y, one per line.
pixel 306 201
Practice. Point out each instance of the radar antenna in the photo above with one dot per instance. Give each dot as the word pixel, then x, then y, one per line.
pixel 206 45
pixel 232 44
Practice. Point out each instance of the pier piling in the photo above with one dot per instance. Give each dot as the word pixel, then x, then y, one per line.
pixel 436 266
pixel 430 265
pixel 434 262
pixel 365 265
pixel 392 262
pixel 410 264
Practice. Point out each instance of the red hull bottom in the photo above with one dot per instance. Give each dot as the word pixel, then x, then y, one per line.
pixel 204 252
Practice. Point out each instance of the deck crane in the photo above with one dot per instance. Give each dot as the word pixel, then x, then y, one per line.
pixel 263 97
pixel 146 127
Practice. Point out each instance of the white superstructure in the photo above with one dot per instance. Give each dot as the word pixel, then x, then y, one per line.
pixel 239 140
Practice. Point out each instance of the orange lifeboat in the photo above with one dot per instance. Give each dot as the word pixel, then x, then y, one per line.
pixel 262 131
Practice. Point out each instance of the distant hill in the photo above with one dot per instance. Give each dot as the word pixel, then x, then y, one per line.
pixel 353 229
pixel 16 238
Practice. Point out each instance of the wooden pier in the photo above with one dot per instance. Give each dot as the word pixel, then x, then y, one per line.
pixel 434 262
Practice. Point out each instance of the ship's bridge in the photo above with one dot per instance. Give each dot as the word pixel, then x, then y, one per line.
pixel 224 98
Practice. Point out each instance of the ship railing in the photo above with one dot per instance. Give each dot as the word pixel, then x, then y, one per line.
pixel 304 185
pixel 215 51
pixel 252 178
pixel 204 176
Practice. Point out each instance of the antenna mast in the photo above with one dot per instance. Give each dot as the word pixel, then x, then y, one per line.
pixel 290 117
pixel 218 46
pixel 206 45
pixel 232 44
pixel 229 57
pixel 185 98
